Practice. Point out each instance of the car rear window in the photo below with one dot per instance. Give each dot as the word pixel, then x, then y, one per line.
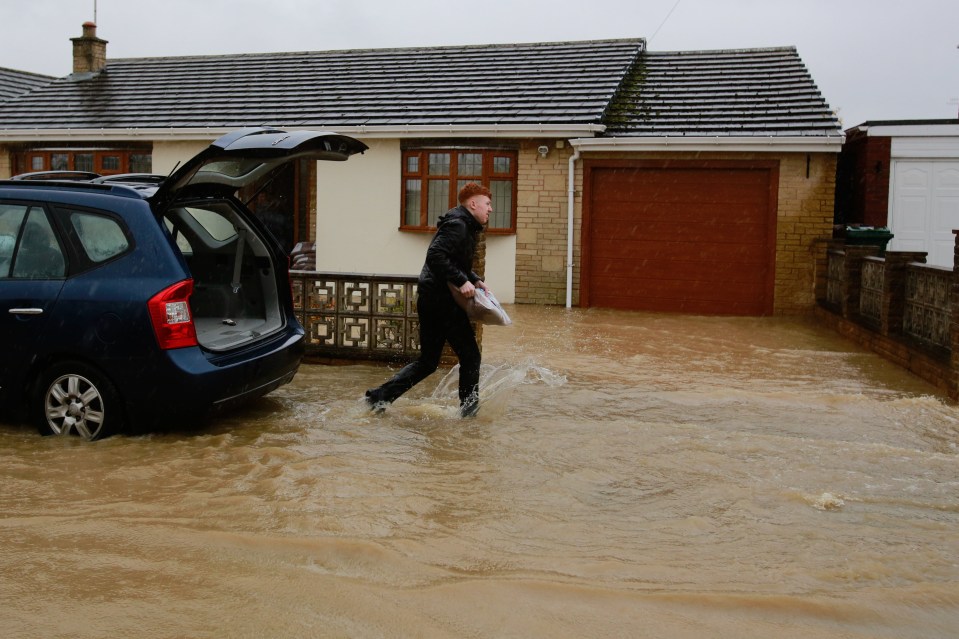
pixel 101 237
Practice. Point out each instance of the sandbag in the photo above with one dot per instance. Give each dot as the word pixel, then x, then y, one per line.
pixel 482 307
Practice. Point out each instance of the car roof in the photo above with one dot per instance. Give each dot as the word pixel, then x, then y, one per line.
pixel 139 191
pixel 72 176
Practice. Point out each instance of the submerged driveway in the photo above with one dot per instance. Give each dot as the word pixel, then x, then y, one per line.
pixel 629 475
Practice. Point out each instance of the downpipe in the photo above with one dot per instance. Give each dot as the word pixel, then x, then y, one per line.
pixel 570 203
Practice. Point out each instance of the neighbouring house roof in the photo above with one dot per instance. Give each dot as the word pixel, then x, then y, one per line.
pixel 15 83
pixel 940 127
pixel 566 83
pixel 610 92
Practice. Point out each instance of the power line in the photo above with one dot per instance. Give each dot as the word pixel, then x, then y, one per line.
pixel 664 20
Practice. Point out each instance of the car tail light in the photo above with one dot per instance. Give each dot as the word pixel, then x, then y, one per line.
pixel 171 317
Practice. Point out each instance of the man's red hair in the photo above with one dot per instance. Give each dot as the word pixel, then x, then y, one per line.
pixel 472 188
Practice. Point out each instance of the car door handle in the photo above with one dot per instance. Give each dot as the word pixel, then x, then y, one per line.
pixel 26 311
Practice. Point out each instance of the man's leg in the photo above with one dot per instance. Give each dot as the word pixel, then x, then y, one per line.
pixel 463 341
pixel 432 338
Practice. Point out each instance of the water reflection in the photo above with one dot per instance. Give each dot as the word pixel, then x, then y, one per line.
pixel 629 475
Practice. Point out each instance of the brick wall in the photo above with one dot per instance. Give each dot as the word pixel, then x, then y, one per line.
pixel 6 169
pixel 928 343
pixel 862 192
pixel 875 175
pixel 541 215
pixel 804 219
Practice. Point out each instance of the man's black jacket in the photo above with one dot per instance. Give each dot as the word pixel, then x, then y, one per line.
pixel 450 255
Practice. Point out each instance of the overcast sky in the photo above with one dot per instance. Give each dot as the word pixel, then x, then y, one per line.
pixel 872 59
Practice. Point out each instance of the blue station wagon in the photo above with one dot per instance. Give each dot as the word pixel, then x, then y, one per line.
pixel 129 304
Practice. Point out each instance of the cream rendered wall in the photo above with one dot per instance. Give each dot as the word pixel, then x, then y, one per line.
pixel 358 216
pixel 166 155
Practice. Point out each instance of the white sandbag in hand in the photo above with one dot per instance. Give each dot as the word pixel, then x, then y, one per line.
pixel 483 307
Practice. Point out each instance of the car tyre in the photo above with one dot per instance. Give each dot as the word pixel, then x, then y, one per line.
pixel 75 399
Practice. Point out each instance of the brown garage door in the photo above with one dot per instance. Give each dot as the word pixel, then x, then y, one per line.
pixel 680 237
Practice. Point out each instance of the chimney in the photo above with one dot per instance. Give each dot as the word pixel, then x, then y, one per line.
pixel 89 51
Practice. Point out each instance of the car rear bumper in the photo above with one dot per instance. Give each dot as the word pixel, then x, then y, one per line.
pixel 188 383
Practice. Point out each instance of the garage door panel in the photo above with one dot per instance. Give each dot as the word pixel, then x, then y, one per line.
pixel 682 305
pixel 705 247
pixel 678 297
pixel 686 271
pixel 692 195
pixel 679 176
pixel 682 240
pixel 717 214
pixel 678 288
pixel 709 259
pixel 713 212
pixel 626 231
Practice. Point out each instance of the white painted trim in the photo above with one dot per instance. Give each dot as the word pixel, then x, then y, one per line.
pixel 926 148
pixel 912 130
pixel 372 132
pixel 770 144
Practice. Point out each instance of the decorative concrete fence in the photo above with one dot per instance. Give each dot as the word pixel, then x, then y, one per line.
pixel 897 306
pixel 357 316
pixel 353 316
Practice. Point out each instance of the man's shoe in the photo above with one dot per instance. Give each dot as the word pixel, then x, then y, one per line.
pixel 374 399
pixel 469 408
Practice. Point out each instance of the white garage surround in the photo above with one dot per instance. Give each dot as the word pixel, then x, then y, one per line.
pixel 924 194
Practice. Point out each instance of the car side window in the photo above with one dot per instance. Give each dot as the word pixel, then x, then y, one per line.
pixel 37 254
pixel 11 220
pixel 101 237
pixel 214 222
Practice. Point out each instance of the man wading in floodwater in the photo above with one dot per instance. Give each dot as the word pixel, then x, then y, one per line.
pixel 449 260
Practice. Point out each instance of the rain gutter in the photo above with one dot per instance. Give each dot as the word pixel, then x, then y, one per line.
pixel 767 144
pixel 369 132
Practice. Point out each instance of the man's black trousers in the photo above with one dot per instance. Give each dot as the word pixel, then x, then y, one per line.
pixel 441 320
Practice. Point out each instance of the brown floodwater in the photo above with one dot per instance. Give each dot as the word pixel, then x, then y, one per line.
pixel 629 475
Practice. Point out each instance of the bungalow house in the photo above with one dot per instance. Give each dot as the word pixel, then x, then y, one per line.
pixel 904 175
pixel 692 181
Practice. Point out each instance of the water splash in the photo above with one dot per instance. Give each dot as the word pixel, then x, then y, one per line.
pixel 497 384
pixel 828 501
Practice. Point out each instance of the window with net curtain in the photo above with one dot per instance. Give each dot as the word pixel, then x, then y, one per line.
pixel 432 179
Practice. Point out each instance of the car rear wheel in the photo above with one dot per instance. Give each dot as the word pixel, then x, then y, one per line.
pixel 77 400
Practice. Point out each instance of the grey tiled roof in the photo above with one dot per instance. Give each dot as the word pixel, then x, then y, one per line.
pixel 745 92
pixel 15 83
pixel 731 93
pixel 545 83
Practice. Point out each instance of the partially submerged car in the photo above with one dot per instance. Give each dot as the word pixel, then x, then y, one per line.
pixel 127 305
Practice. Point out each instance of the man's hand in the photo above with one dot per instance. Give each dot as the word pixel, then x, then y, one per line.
pixel 468 290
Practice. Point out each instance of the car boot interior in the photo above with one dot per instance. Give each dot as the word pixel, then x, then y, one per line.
pixel 235 298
